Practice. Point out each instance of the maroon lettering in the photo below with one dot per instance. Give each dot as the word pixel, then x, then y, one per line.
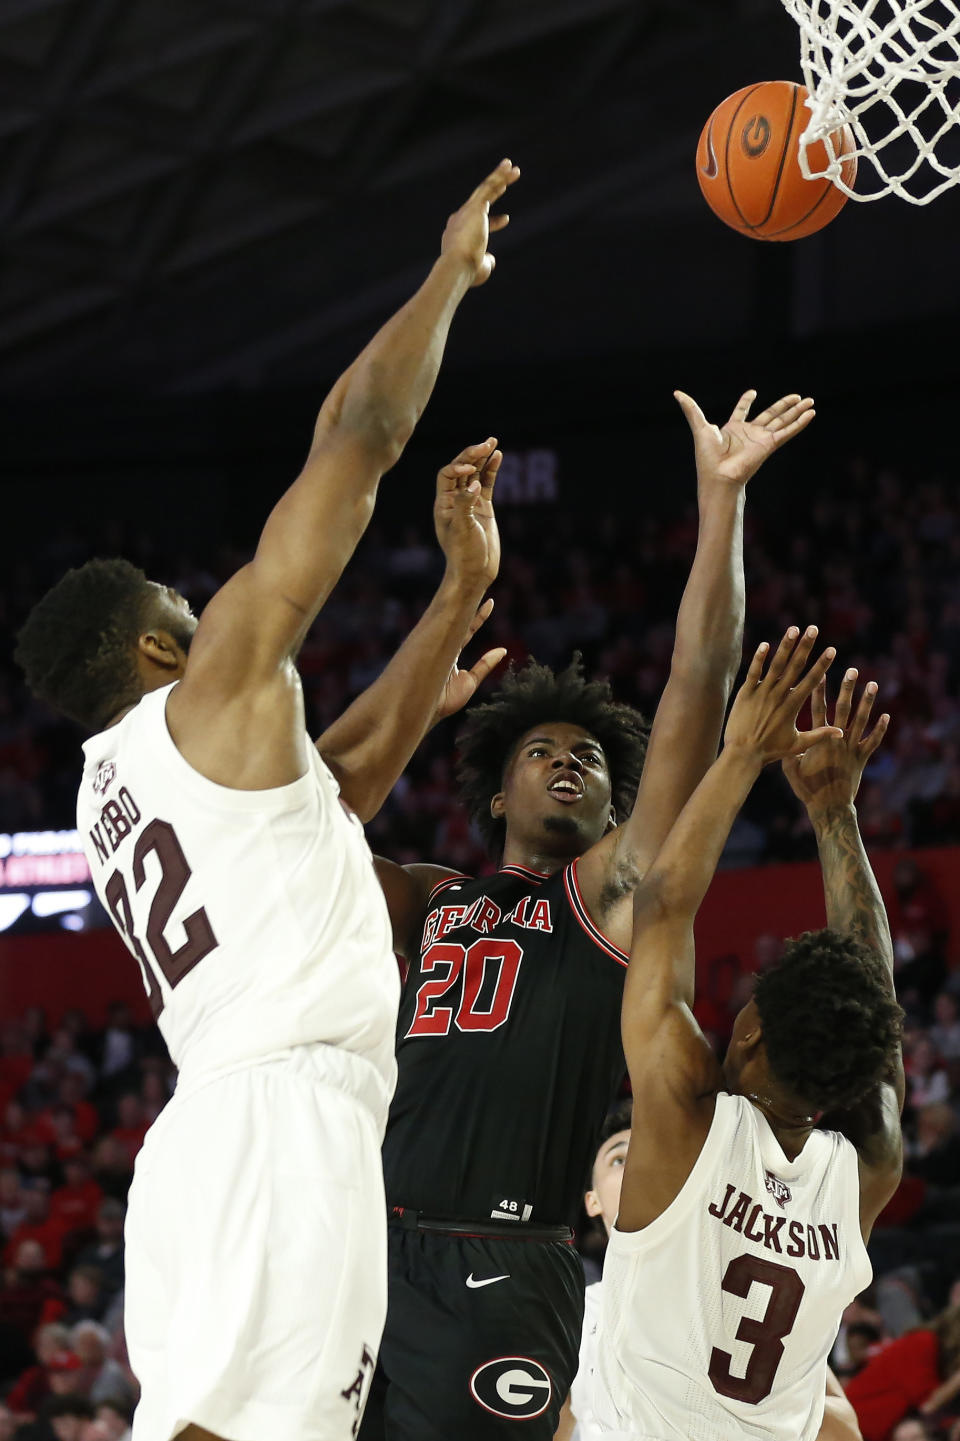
pixel 737 1216
pixel 129 805
pixel 771 1226
pixel 831 1242
pixel 115 824
pixel 765 1334
pixel 813 1246
pixel 796 1247
pixel 748 1230
pixel 99 844
pixel 712 1208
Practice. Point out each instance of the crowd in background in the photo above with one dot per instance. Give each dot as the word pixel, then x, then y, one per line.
pixel 876 564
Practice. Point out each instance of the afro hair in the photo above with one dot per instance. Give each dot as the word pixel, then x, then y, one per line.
pixel 76 647
pixel 535 695
pixel 831 1023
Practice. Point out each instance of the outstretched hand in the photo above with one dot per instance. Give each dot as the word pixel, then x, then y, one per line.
pixel 463 514
pixel 469 229
pixel 763 718
pixel 828 773
pixel 737 451
pixel 461 684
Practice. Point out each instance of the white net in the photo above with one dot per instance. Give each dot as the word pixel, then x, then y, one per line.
pixel 890 69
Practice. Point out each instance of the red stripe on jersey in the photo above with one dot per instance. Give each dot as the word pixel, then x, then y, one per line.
pixel 526 872
pixel 572 888
pixel 456 879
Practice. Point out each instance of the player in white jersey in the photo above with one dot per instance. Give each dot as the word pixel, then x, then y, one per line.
pixel 256 1247
pixel 602 1201
pixel 741 1230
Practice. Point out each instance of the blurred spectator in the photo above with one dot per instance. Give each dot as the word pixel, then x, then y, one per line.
pixel 106 1252
pixel 916 1372
pixel 918 925
pixel 87 1295
pixel 37 1225
pixel 911 1428
pixel 927 1081
pixel 28 1293
pixel 945 1032
pixel 33 1385
pixel 74 1206
pixel 104 1379
pixel 131 1125
pixel 113 1422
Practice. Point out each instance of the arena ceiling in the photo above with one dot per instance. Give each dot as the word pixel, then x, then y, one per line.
pixel 232 193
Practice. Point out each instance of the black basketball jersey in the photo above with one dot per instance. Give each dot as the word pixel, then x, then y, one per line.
pixel 509 1051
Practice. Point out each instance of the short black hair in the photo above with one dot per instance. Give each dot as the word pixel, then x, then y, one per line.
pixel 536 695
pixel 619 1119
pixel 76 647
pixel 831 1024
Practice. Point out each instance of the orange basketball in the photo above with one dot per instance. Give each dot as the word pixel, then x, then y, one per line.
pixel 748 164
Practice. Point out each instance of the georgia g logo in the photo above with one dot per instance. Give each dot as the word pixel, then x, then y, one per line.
pixel 512 1386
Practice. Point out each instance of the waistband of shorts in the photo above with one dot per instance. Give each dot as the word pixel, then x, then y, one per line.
pixel 318 1063
pixel 409 1220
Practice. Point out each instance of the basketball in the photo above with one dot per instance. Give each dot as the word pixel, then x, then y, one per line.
pixel 748 164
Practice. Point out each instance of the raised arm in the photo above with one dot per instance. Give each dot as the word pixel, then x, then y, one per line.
pixel 706 655
pixel 670 1062
pixel 237 713
pixel 826 778
pixel 369 746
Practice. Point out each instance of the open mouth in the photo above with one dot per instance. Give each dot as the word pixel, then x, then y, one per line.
pixel 566 790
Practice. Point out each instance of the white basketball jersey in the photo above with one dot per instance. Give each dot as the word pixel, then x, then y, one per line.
pixel 581 1390
pixel 255 916
pixel 717 1319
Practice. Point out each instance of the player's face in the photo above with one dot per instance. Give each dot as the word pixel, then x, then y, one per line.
pixel 557 788
pixel 603 1198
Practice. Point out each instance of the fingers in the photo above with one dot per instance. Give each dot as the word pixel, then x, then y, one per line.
pixel 742 408
pixel 498 222
pixel 488 662
pixel 868 746
pixel 693 415
pixel 482 615
pixel 755 669
pixel 489 473
pixel 806 739
pixel 456 474
pixel 818 704
pixel 795 426
pixel 496 182
pixel 845 700
pixel 807 684
pixel 786 417
pixel 782 654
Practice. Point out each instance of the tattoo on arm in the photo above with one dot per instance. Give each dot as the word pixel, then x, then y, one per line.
pixel 854 903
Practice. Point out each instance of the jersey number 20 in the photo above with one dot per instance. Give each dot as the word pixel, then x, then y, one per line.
pixel 160 838
pixel 444 963
pixel 765 1333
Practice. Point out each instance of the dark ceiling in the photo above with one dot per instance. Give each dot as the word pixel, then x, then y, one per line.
pixel 233 193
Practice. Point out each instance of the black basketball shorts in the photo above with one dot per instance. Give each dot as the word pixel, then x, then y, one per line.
pixel 482 1338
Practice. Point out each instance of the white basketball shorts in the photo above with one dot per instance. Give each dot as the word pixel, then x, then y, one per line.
pixel 256 1257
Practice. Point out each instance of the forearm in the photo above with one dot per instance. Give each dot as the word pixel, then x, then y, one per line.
pixel 680 876
pixel 853 900
pixel 709 633
pixel 369 746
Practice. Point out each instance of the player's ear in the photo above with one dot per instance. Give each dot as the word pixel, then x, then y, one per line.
pixel 612 822
pixel 160 648
pixel 497 806
pixel 591 1204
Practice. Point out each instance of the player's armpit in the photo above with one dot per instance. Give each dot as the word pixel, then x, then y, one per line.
pixel 406 890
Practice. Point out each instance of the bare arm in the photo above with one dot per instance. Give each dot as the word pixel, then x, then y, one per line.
pixel 706 656
pixel 237 714
pixel 369 746
pixel 826 779
pixel 669 1060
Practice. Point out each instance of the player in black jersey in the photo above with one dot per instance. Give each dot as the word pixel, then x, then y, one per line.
pixel 508 1038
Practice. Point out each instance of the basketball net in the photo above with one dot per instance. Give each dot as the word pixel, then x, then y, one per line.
pixel 890 69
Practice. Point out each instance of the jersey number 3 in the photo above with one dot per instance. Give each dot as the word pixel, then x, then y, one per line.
pixel 160 838
pixel 445 963
pixel 764 1333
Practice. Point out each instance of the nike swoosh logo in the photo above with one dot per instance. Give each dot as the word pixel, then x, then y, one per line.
pixel 487 1282
pixel 711 169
